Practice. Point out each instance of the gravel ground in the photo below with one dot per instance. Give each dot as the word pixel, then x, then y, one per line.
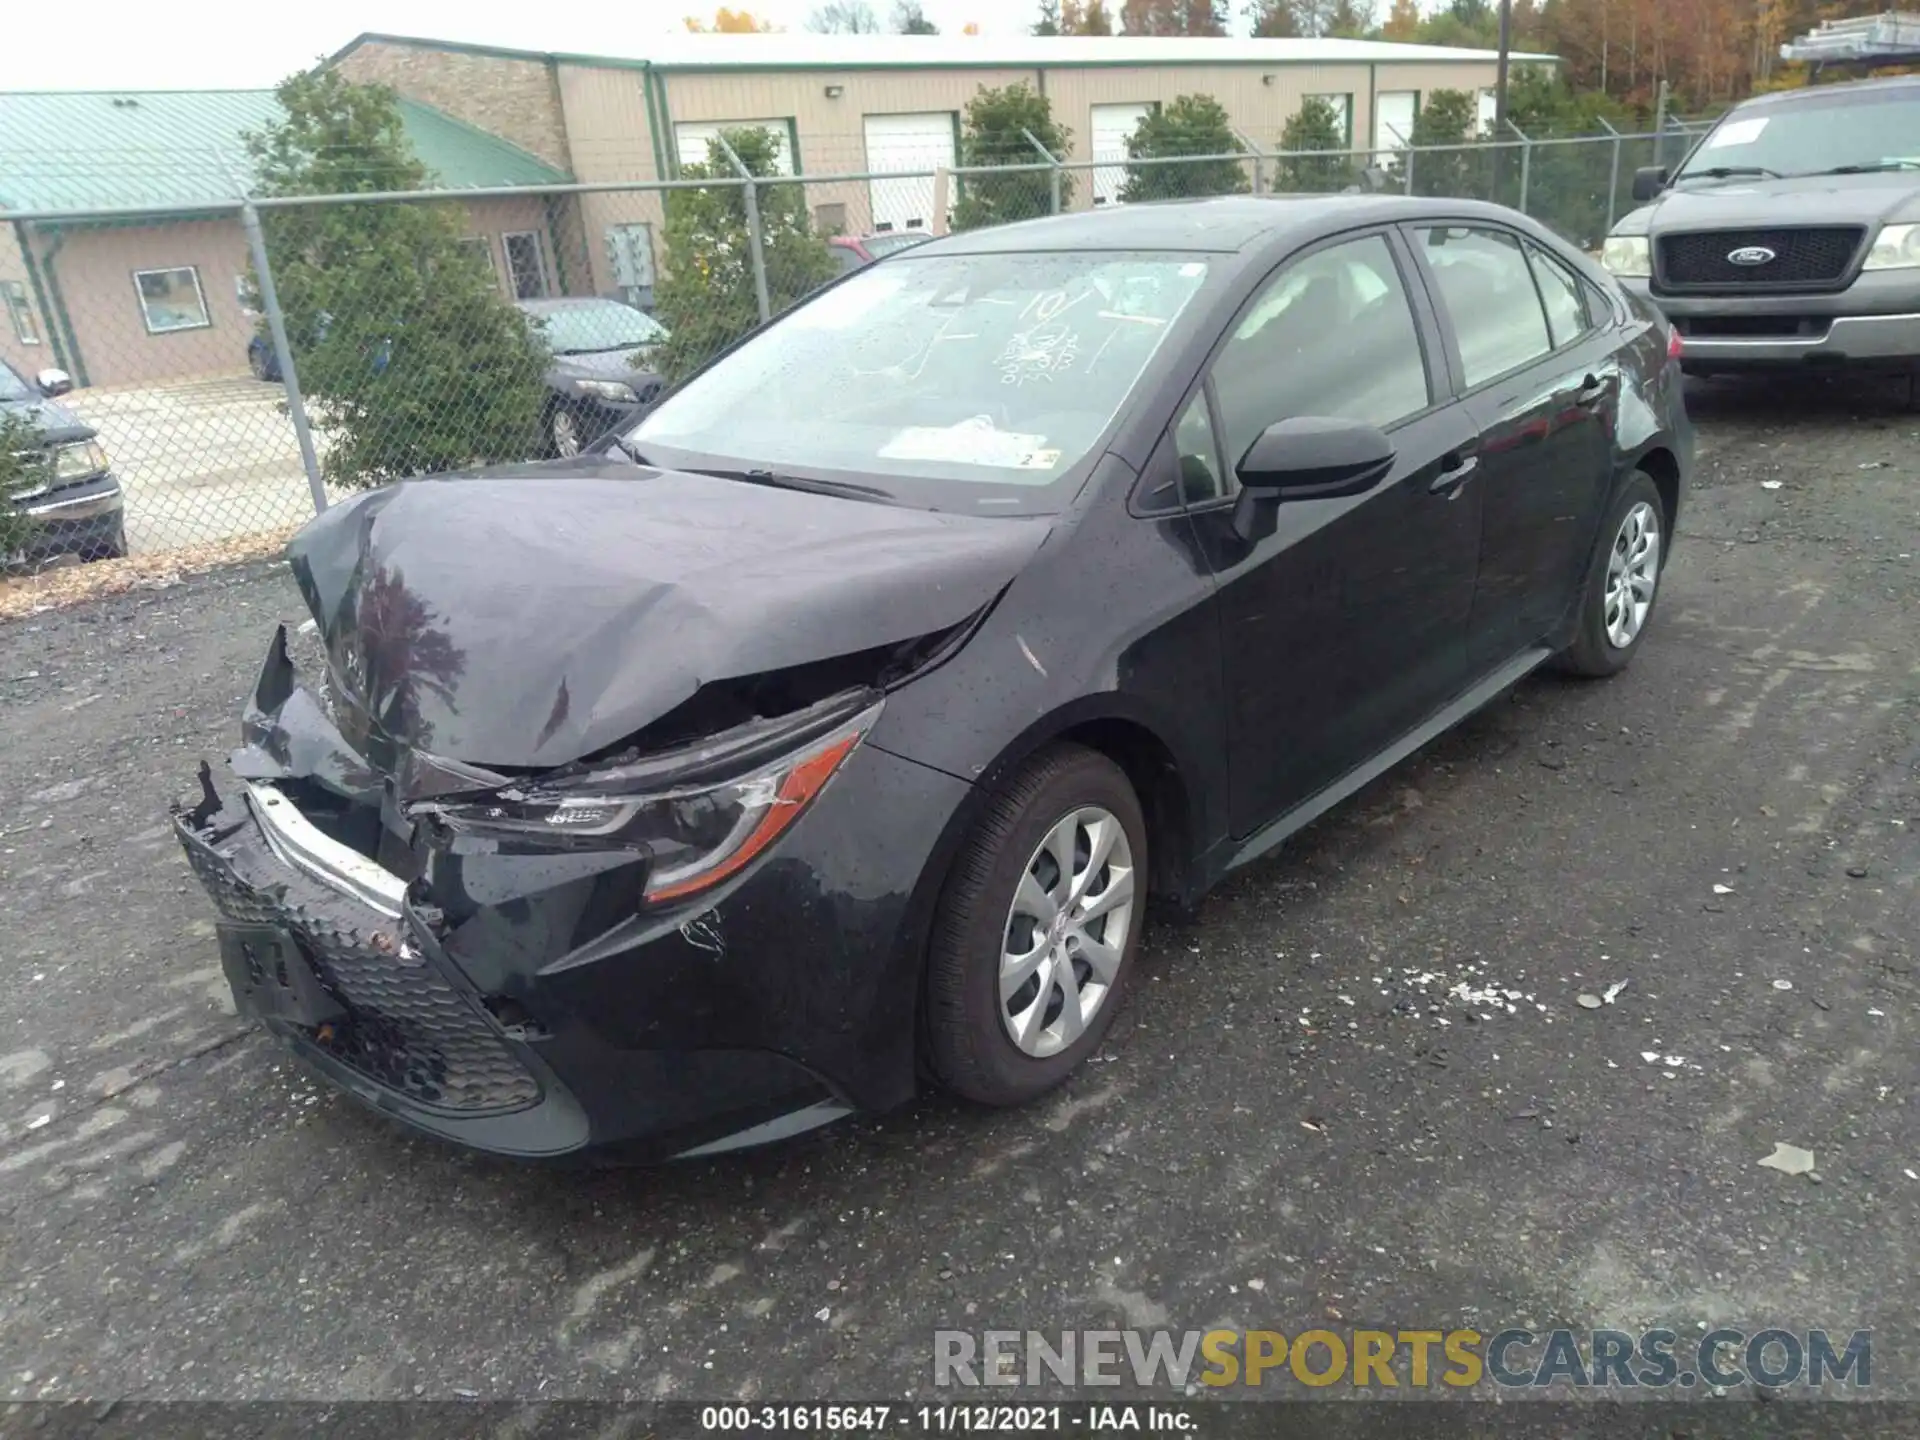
pixel 1297 1121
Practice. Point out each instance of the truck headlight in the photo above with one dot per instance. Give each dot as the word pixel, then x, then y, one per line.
pixel 1896 247
pixel 611 390
pixel 78 460
pixel 1628 255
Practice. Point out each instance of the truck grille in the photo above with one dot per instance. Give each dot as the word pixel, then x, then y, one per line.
pixel 1811 258
pixel 407 1027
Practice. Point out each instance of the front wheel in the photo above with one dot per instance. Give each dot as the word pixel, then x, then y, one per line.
pixel 563 433
pixel 1622 584
pixel 1035 936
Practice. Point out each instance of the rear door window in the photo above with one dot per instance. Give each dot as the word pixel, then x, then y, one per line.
pixel 1487 288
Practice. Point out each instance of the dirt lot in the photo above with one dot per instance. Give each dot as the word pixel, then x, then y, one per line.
pixel 1294 1097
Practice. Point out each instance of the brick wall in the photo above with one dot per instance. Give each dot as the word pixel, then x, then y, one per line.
pixel 518 100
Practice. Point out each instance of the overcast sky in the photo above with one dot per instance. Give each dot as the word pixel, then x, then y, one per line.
pixel 240 44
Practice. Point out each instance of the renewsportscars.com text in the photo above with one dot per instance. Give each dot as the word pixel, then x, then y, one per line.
pixel 1391 1359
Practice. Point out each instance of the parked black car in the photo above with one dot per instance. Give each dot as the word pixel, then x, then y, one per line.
pixel 1790 237
pixel 827 731
pixel 77 507
pixel 602 374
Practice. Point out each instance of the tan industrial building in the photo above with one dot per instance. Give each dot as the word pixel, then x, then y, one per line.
pixel 850 104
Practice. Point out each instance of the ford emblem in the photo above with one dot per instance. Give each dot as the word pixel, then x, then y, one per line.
pixel 1750 255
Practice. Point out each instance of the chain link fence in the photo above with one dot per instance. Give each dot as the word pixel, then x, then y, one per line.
pixel 182 376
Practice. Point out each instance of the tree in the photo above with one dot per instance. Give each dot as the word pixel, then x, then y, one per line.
pixel 1174 17
pixel 399 332
pixel 910 19
pixel 993 135
pixel 729 22
pixel 1403 22
pixel 1085 17
pixel 1350 19
pixel 844 17
pixel 1273 20
pixel 707 298
pixel 1049 21
pixel 1446 117
pixel 1188 125
pixel 1315 126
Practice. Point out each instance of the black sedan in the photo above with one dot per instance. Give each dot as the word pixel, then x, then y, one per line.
pixel 602 374
pixel 827 732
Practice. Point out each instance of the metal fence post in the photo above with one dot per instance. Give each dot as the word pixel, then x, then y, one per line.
pixel 1526 164
pixel 1053 174
pixel 1258 156
pixel 1405 152
pixel 1613 175
pixel 283 353
pixel 756 248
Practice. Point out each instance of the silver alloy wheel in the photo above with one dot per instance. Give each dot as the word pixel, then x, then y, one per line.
pixel 566 434
pixel 1633 570
pixel 1066 932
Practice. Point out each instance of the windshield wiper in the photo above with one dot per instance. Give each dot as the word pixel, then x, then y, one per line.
pixel 1728 172
pixel 1869 169
pixel 846 489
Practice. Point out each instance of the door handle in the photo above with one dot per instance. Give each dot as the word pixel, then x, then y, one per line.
pixel 1593 391
pixel 1455 470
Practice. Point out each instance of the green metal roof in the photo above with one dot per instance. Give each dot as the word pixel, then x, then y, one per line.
pixel 79 149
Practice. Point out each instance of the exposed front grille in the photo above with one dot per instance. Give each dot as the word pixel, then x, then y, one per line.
pixel 407 1027
pixel 1808 258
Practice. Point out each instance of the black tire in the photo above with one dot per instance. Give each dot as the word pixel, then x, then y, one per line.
pixel 1593 652
pixel 111 547
pixel 969 1048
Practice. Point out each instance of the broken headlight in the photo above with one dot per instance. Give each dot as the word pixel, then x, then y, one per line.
pixel 696 834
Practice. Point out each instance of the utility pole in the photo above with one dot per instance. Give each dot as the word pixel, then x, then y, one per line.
pixel 1500 75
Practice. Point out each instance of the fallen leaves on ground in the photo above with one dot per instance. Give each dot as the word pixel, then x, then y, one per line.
pixel 70 584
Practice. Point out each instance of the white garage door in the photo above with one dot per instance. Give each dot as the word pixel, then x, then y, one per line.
pixel 1113 126
pixel 916 143
pixel 1393 112
pixel 690 140
pixel 1486 111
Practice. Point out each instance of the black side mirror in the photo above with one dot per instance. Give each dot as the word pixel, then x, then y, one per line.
pixel 1648 182
pixel 1310 457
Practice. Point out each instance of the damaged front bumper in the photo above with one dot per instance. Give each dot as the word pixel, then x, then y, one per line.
pixel 536 1004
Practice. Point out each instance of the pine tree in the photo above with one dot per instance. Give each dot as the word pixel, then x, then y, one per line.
pixel 1189 125
pixel 400 334
pixel 707 299
pixel 992 135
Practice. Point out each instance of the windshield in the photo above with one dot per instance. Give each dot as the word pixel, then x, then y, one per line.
pixel 878 245
pixel 1810 137
pixel 12 387
pixel 990 375
pixel 601 325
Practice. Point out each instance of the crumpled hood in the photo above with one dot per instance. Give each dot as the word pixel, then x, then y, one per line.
pixel 605 365
pixel 527 618
pixel 1767 204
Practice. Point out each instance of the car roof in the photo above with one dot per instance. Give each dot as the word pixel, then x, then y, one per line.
pixel 1819 94
pixel 1222 224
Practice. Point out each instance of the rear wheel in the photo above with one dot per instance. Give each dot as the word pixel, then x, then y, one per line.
pixel 1035 937
pixel 1622 584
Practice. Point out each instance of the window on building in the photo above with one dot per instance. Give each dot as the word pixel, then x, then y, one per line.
pixel 171 299
pixel 526 264
pixel 26 328
pixel 481 248
pixel 1484 282
pixel 1332 335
